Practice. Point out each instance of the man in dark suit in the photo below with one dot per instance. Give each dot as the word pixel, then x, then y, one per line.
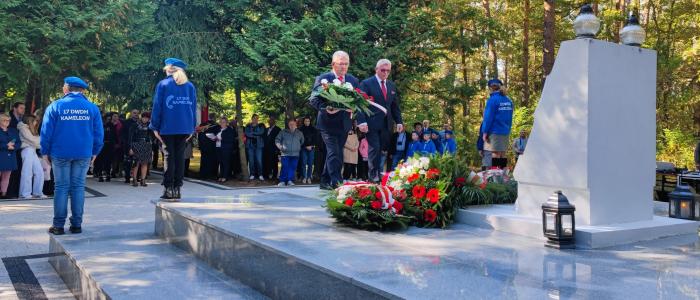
pixel 270 151
pixel 334 123
pixel 385 94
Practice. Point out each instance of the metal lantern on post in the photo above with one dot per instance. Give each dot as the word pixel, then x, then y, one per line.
pixel 586 24
pixel 681 203
pixel 558 222
pixel 632 34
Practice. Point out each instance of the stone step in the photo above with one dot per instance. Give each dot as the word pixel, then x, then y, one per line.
pixel 136 264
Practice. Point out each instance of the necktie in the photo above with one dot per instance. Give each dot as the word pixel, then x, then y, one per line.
pixel 384 90
pixel 341 78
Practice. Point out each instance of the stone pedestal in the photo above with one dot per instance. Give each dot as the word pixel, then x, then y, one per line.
pixel 594 135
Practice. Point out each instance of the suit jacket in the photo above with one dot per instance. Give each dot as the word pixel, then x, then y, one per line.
pixel 269 137
pixel 379 120
pixel 340 122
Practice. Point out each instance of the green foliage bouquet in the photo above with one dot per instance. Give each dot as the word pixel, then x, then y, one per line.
pixel 345 96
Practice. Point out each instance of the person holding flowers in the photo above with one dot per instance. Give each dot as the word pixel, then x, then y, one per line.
pixel 333 122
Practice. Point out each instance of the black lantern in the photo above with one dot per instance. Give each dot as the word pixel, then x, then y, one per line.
pixel 558 222
pixel 681 203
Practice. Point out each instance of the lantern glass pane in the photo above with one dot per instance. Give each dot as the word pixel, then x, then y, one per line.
pixel 685 209
pixel 550 222
pixel 697 207
pixel 673 209
pixel 567 226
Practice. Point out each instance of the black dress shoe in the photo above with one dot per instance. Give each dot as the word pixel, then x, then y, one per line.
pixel 102 179
pixel 167 194
pixel 108 179
pixel 326 187
pixel 176 193
pixel 75 230
pixel 56 230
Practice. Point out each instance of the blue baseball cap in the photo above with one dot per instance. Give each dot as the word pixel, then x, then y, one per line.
pixel 494 82
pixel 75 82
pixel 175 62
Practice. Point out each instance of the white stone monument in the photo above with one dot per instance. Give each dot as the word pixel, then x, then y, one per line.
pixel 593 138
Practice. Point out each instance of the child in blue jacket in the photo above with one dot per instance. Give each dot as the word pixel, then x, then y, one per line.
pixel 427 147
pixel 415 144
pixel 449 146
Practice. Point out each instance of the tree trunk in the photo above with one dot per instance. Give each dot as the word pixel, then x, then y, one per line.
pixel 289 105
pixel 548 51
pixel 241 134
pixel 465 76
pixel 526 53
pixel 32 99
pixel 493 70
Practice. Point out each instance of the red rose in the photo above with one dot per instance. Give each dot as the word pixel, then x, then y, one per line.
pixel 413 177
pixel 390 188
pixel 432 173
pixel 378 195
pixel 418 192
pixel 349 201
pixel 418 202
pixel 460 181
pixel 398 206
pixel 399 195
pixel 482 185
pixel 376 205
pixel 429 215
pixel 433 195
pixel 364 192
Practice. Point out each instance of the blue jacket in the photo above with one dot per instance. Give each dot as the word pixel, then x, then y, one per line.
pixel 480 139
pixel 254 136
pixel 426 148
pixel 438 146
pixel 498 115
pixel 449 146
pixel 174 108
pixel 72 128
pixel 8 158
pixel 413 148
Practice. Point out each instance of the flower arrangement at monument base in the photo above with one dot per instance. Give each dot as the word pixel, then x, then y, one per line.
pixel 427 185
pixel 493 186
pixel 367 206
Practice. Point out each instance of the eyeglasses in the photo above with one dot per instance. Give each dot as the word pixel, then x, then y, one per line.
pixel 384 70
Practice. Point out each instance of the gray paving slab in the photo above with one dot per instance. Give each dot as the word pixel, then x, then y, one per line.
pixel 462 262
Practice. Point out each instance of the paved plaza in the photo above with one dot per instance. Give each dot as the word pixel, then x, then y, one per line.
pixel 463 262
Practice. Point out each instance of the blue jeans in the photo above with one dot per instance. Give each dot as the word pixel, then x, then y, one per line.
pixel 289 166
pixel 69 175
pixel 307 163
pixel 254 161
pixel 398 156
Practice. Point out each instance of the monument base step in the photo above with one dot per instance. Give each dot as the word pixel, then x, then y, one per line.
pixel 504 218
pixel 136 264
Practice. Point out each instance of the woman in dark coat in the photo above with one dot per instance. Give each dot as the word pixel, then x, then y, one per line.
pixel 140 137
pixel 225 142
pixel 9 144
pixel 103 162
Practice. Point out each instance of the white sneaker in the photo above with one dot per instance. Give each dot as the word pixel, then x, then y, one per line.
pixel 281 184
pixel 42 196
pixel 251 177
pixel 290 183
pixel 261 178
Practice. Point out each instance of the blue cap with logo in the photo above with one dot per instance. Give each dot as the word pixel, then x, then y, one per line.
pixel 75 82
pixel 495 81
pixel 175 62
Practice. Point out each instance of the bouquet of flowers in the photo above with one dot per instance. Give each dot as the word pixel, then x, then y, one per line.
pixel 367 206
pixel 424 188
pixel 486 187
pixel 345 96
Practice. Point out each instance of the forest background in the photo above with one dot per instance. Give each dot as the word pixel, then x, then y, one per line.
pixel 250 56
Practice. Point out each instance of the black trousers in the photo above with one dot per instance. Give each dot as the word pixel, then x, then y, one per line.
pixel 270 162
pixel 224 157
pixel 156 153
pixel 374 141
pixel 208 162
pixel 174 159
pixel 349 171
pixel 103 162
pixel 334 157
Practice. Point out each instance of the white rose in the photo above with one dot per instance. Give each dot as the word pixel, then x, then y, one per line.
pixel 337 82
pixel 324 81
pixel 349 86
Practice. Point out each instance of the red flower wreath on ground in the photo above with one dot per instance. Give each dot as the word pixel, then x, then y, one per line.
pixel 378 195
pixel 430 215
pixel 376 205
pixel 349 201
pixel 398 206
pixel 433 196
pixel 418 192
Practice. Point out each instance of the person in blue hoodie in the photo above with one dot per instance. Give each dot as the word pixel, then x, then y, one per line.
pixel 173 121
pixel 497 122
pixel 71 138
pixel 415 144
pixel 435 137
pixel 449 146
pixel 427 147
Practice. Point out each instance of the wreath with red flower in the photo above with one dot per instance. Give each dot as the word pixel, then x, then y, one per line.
pixel 368 206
